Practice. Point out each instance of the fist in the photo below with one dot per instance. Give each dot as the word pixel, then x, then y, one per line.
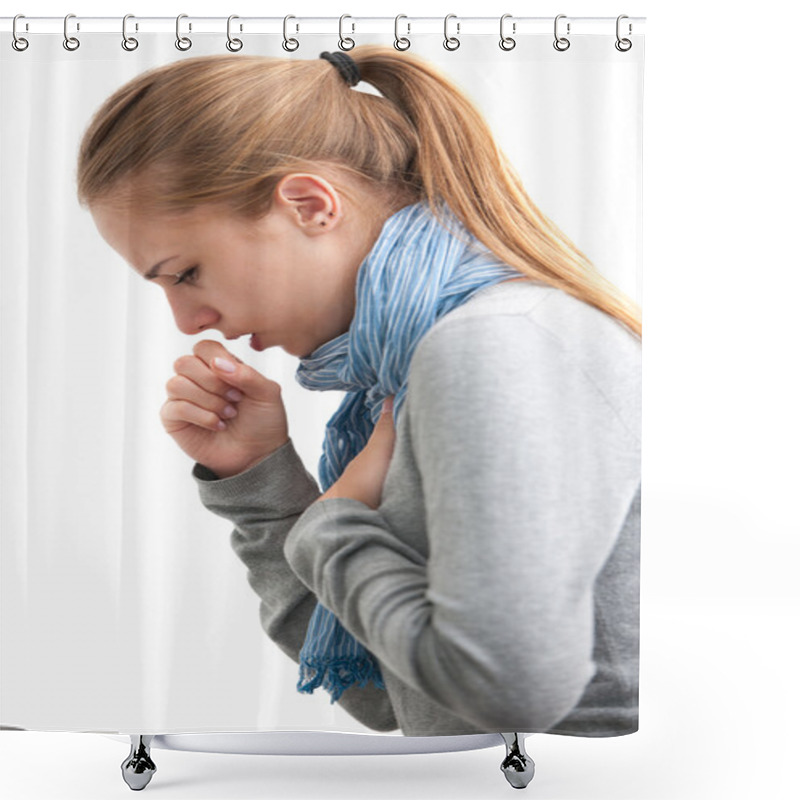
pixel 221 412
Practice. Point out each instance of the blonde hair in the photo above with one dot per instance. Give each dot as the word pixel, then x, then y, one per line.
pixel 225 129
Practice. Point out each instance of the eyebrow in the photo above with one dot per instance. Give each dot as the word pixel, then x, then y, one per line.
pixel 152 273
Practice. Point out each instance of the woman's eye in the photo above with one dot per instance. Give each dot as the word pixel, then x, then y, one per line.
pixel 188 275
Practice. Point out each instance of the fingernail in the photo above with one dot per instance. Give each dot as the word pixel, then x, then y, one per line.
pixel 224 365
pixel 234 395
pixel 388 403
pixel 229 411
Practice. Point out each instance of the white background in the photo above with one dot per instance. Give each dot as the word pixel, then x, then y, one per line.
pixel 721 435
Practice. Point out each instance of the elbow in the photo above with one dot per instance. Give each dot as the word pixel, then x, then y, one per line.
pixel 532 702
pixel 521 692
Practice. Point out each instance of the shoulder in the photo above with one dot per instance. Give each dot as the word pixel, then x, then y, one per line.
pixel 524 336
pixel 526 317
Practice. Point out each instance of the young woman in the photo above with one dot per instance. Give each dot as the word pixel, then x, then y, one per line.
pixel 471 564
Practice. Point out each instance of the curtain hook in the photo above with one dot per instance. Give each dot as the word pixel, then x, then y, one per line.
pixel 182 42
pixel 451 42
pixel 506 42
pixel 290 45
pixel 401 43
pixel 346 43
pixel 18 43
pixel 561 43
pixel 623 45
pixel 70 42
pixel 234 45
pixel 128 42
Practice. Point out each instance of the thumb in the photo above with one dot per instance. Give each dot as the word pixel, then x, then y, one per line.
pixel 250 381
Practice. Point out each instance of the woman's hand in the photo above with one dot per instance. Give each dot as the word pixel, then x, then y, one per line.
pixel 223 413
pixel 363 477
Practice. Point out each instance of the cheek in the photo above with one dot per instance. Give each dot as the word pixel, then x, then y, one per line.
pixel 284 287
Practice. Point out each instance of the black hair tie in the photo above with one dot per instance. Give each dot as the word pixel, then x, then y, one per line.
pixel 345 65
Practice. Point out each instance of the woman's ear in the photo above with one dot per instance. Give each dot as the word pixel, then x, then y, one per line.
pixel 310 200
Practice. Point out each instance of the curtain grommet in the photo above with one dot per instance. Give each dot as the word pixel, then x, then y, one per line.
pixel 70 43
pixel 129 43
pixel 401 42
pixel 234 45
pixel 346 42
pixel 451 42
pixel 561 43
pixel 290 44
pixel 19 43
pixel 623 45
pixel 506 42
pixel 183 43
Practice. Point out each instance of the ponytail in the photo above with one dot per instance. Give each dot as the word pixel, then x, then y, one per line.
pixel 459 163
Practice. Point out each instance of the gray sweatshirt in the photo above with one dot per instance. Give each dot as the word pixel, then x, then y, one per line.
pixel 498 581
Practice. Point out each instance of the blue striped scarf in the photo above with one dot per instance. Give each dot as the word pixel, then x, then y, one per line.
pixel 417 271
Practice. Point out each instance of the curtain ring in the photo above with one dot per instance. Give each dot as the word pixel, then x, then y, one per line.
pixel 561 43
pixel 290 45
pixel 401 43
pixel 128 42
pixel 451 42
pixel 70 42
pixel 234 45
pixel 18 43
pixel 623 45
pixel 506 42
pixel 346 43
pixel 182 42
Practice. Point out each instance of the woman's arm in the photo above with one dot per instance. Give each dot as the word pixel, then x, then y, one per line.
pixel 263 503
pixel 528 473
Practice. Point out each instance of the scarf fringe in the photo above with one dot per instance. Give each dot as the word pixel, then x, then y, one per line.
pixel 337 675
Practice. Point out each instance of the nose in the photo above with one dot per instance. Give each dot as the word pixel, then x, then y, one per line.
pixel 191 318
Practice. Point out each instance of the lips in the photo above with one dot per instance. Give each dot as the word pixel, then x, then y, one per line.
pixel 256 343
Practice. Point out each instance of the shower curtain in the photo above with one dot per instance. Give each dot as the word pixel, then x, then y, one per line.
pixel 124 608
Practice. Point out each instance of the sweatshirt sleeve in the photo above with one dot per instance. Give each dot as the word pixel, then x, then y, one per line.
pixel 263 503
pixel 528 472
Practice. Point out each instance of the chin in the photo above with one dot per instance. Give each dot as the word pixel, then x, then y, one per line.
pixel 297 349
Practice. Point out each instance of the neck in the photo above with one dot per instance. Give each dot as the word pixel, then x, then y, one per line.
pixel 367 216
pixel 371 213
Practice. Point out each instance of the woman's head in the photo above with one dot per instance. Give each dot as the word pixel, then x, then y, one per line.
pixel 223 131
pixel 277 195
